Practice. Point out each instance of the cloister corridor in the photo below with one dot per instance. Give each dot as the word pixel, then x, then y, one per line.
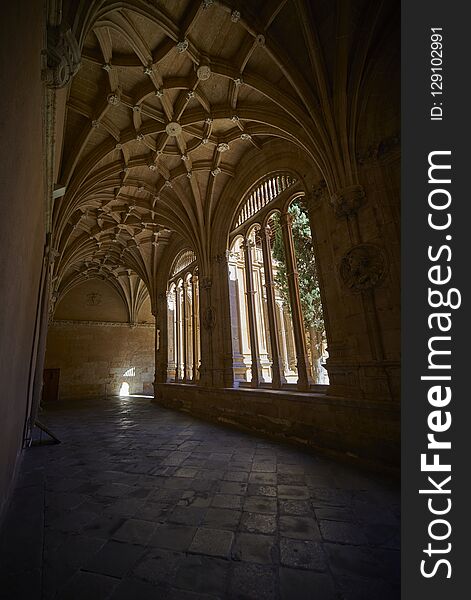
pixel 142 502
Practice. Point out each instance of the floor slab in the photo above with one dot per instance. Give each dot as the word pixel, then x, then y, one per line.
pixel 143 502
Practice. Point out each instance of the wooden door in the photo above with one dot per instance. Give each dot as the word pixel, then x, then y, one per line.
pixel 50 385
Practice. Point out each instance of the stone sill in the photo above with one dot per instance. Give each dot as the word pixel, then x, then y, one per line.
pixel 311 397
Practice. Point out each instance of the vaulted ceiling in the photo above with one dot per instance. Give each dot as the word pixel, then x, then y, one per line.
pixel 171 96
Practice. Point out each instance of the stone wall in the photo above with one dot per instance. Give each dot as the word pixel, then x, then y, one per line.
pixel 367 430
pixel 21 210
pixel 94 356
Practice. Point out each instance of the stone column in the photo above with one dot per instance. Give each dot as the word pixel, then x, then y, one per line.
pixel 280 321
pixel 304 375
pixel 194 317
pixel 207 319
pixel 185 329
pixel 277 375
pixel 177 333
pixel 257 376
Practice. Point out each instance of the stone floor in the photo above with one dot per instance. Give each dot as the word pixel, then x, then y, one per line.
pixel 139 502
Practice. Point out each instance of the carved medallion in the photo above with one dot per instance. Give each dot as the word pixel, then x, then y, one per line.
pixel 363 267
pixel 93 299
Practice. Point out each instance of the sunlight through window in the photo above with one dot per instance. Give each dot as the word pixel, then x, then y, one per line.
pixel 124 391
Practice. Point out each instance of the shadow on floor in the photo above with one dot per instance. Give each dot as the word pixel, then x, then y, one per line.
pixel 142 502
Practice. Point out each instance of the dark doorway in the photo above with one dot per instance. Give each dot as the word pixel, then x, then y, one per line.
pixel 50 385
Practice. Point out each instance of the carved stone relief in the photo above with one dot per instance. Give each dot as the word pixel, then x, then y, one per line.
pixel 363 267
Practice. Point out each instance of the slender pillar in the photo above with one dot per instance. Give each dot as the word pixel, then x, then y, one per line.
pixel 304 375
pixel 284 362
pixel 185 329
pixel 177 333
pixel 257 376
pixel 277 375
pixel 194 317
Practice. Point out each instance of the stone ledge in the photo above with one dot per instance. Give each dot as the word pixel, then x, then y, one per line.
pixel 68 323
pixel 364 429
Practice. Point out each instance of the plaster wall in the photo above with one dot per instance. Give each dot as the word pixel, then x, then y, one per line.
pixel 21 210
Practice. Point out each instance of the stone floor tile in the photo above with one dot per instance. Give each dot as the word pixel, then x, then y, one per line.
pixel 186 472
pixel 203 575
pixel 232 487
pixel 256 548
pixel 133 588
pixel 109 508
pixel 114 559
pixel 73 521
pixel 103 526
pixel 260 504
pixel 221 518
pixel 187 515
pixel 306 585
pixel 75 550
pixel 263 478
pixel 352 561
pixel 383 536
pixel 178 483
pixel 301 528
pixel 88 585
pixel 293 492
pixel 127 507
pixel 135 531
pixel 227 501
pixel 175 537
pixel 291 479
pixel 158 566
pixel 240 476
pixel 114 490
pixel 295 507
pixel 301 554
pixel 251 581
pixel 214 542
pixel 343 533
pixel 258 523
pixel 333 513
pixel 256 489
pixel 263 467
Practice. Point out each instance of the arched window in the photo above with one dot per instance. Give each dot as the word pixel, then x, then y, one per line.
pixel 278 335
pixel 183 320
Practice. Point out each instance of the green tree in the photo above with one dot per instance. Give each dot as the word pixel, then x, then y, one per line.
pixel 311 303
pixel 309 292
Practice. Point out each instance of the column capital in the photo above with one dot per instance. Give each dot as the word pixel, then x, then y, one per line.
pixel 264 232
pixel 62 56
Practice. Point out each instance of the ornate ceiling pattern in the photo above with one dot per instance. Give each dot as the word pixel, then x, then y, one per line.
pixel 171 96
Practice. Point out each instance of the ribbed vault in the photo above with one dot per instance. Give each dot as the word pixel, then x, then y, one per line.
pixel 171 96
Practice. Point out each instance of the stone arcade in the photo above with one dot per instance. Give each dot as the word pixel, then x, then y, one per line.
pixel 167 167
